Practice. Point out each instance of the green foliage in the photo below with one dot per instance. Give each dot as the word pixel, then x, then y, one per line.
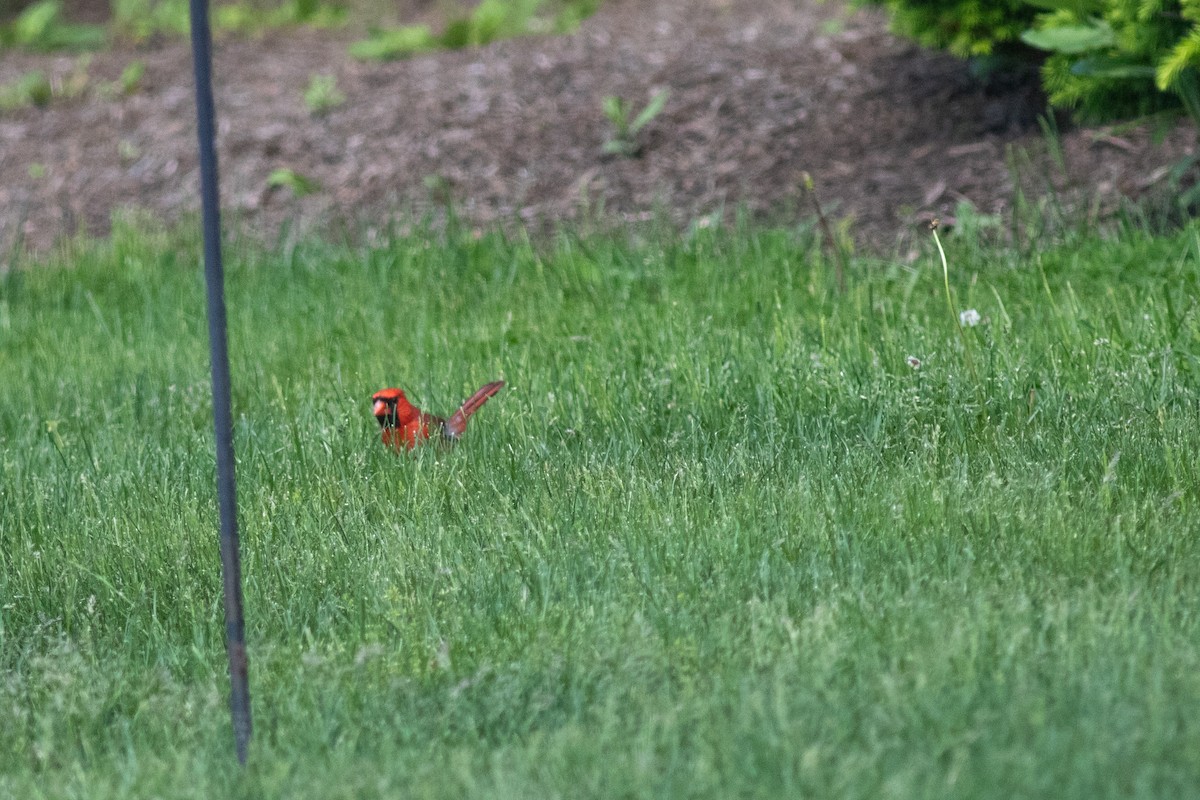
pixel 384 44
pixel 30 89
pixel 245 17
pixel 1107 58
pixel 140 19
pixel 36 89
pixel 487 22
pixel 299 185
pixel 1071 39
pixel 726 533
pixel 126 84
pixel 41 27
pixel 625 130
pixel 964 27
pixel 1120 58
pixel 322 95
pixel 131 77
pixel 568 14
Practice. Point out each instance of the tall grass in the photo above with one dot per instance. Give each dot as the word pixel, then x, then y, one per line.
pixel 717 536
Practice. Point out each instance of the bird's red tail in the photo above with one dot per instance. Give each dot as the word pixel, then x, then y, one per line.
pixel 458 421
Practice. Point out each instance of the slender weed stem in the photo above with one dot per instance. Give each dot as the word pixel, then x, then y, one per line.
pixel 969 355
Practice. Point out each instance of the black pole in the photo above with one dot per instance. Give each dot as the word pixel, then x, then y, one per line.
pixel 214 273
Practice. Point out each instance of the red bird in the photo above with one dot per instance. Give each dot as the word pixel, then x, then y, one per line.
pixel 405 425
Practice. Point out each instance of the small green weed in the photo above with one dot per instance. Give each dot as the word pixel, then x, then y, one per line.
pixel 35 89
pixel 131 77
pixel 129 82
pixel 299 185
pixel 322 95
pixel 41 27
pixel 617 110
pixel 487 22
pixel 31 89
pixel 384 44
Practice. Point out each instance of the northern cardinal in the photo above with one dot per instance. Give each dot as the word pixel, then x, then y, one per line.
pixel 404 425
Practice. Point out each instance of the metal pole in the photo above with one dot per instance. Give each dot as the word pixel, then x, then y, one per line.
pixel 235 627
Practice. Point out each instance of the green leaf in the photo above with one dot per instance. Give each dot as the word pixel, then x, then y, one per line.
pixel 489 21
pixel 384 45
pixel 1185 55
pixel 1189 197
pixel 322 94
pixel 1071 38
pixel 131 76
pixel 457 34
pixel 31 27
pixel 289 179
pixel 1187 86
pixel 75 37
pixel 1115 68
pixel 614 110
pixel 1080 7
pixel 40 27
pixel 618 147
pixel 31 89
pixel 652 110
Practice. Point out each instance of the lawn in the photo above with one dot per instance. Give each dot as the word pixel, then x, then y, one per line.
pixel 726 532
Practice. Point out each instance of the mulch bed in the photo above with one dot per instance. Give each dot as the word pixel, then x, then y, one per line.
pixel 761 92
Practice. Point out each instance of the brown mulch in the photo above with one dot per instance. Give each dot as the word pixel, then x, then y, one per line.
pixel 761 91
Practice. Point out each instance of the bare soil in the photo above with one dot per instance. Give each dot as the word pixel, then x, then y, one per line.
pixel 761 92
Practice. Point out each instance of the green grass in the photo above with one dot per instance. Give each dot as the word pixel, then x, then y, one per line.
pixel 716 538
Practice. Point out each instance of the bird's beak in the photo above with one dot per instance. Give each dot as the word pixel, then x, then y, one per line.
pixel 380 408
